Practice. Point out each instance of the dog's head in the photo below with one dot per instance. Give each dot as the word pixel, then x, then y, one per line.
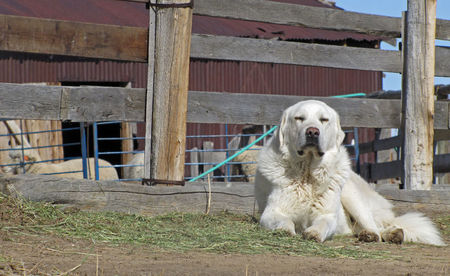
pixel 309 127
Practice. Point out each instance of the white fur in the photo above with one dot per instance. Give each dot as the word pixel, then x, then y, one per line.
pixel 313 190
pixel 136 167
pixel 247 157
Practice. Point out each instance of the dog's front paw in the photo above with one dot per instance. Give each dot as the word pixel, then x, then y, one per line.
pixel 367 236
pixel 312 235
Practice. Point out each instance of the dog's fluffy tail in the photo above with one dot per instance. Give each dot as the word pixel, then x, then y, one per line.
pixel 418 228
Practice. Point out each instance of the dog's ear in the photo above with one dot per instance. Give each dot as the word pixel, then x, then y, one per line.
pixel 281 128
pixel 340 133
pixel 281 133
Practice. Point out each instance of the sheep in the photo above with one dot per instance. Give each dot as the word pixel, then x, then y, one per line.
pixel 135 168
pixel 250 155
pixel 63 169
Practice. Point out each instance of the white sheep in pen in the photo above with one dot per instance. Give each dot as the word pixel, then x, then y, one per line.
pixel 248 159
pixel 135 168
pixel 68 169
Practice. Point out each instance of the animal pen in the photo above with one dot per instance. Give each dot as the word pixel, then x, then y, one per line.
pixel 167 105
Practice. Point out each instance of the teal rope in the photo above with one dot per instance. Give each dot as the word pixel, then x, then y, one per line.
pixel 234 155
pixel 350 95
pixel 259 139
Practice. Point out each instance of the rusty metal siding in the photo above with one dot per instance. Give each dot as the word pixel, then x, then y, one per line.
pixel 90 11
pixel 26 68
pixel 282 79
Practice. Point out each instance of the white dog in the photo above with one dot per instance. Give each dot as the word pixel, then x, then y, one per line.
pixel 305 184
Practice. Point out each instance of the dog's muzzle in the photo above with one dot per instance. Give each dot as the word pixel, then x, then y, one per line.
pixel 312 140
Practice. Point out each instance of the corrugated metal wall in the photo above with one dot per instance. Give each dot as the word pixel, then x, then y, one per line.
pixel 25 68
pixel 283 79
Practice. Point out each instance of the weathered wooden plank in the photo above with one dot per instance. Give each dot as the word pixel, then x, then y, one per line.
pixel 308 16
pixel 441 196
pixel 170 93
pixel 389 143
pixel 442 61
pixel 208 107
pixel 418 94
pixel 442 29
pixel 385 170
pixel 378 145
pixel 441 134
pixel 272 51
pixel 90 104
pixel 194 154
pixel 149 92
pixel 30 101
pixel 299 15
pixel 138 199
pixel 126 144
pixel 441 163
pixel 130 198
pixel 49 36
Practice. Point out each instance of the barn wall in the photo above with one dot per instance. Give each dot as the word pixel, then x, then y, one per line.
pixel 26 68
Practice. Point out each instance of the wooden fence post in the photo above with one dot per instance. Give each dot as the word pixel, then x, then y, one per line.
pixel 167 89
pixel 418 94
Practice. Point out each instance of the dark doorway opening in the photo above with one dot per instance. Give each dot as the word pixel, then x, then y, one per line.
pixel 103 131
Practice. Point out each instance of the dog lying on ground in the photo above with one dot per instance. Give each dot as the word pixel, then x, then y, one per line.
pixel 304 184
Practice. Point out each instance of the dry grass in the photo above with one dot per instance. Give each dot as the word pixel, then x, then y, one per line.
pixel 179 232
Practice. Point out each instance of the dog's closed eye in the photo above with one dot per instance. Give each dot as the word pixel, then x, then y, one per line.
pixel 324 120
pixel 299 118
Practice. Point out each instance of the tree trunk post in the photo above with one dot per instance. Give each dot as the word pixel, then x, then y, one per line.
pixel 418 94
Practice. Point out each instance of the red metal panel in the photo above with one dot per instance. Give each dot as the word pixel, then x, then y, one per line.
pixel 282 79
pixel 25 68
pixel 92 11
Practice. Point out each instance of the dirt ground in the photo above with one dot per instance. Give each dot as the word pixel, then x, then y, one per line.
pixel 44 255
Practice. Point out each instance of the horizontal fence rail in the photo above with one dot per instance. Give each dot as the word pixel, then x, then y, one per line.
pixel 90 104
pixel 311 17
pixel 273 51
pixel 296 53
pixel 59 37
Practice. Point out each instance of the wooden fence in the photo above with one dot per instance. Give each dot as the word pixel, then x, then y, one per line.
pixel 166 102
pixel 392 169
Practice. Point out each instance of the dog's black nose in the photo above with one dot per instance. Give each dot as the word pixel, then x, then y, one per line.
pixel 312 132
